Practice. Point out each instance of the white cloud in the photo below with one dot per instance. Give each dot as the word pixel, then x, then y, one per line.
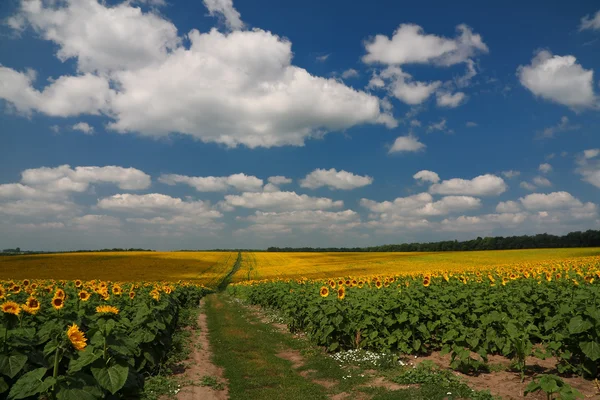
pixel 156 203
pixel 445 99
pixel 402 86
pixel 590 22
pixel 471 124
pixel 66 179
pixel 415 123
pixel 225 9
pixel 19 191
pixel 350 73
pixel 407 144
pixel 439 126
pixel 541 181
pixel 323 58
pixel 279 180
pixel 30 208
pixel 83 127
pixel 241 182
pixel 427 176
pixel 508 207
pixel 545 168
pixel 421 204
pixel 483 222
pixel 284 201
pixel 55 128
pixel 334 179
pixel 237 88
pixel 562 126
pixel 67 96
pixel 99 37
pixel 551 201
pixel 409 44
pixel 304 220
pixel 528 186
pixel 589 167
pixel 511 174
pixel 92 221
pixel 483 185
pixel 559 79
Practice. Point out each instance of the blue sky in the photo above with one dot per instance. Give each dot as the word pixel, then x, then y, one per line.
pixel 210 124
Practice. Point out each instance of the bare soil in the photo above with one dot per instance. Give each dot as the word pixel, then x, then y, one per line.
pixel 198 365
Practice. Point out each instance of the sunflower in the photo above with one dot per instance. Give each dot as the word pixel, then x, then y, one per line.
pixel 107 310
pixel 155 294
pixel 332 283
pixel 58 303
pixel 426 281
pixel 26 282
pixel 2 292
pixel 589 279
pixel 31 306
pixel 378 284
pixel 10 307
pixel 84 295
pixel 131 295
pixel 324 291
pixel 78 283
pixel 76 337
pixel 167 289
pixel 117 290
pixel 15 289
pixel 34 286
pixel 341 292
pixel 60 294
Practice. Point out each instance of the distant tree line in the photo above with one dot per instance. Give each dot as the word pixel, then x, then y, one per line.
pixel 18 251
pixel 589 238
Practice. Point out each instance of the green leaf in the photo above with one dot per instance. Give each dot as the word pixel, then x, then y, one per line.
pixel 85 358
pixel 333 346
pixel 548 384
pixel 75 394
pixel 112 378
pixel 590 349
pixel 28 385
pixel 416 344
pixel 578 325
pixel 3 385
pixel 11 364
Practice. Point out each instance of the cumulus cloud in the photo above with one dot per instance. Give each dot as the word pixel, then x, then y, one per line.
pixel 281 201
pixel 541 181
pixel 450 100
pixel 545 168
pixel 350 73
pixel 508 207
pixel 439 126
pixel 562 126
pixel 559 79
pixel 421 204
pixel 550 201
pixel 241 182
pixel 236 88
pixel 83 127
pixel 590 22
pixel 405 144
pixel 427 176
pixel 334 179
pixel 483 185
pixel 66 96
pixel 589 167
pixel 279 180
pixel 471 124
pixel 511 174
pixel 409 44
pixel 528 186
pixel 225 10
pixel 402 86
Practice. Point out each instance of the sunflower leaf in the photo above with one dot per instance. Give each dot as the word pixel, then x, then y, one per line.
pixel 11 364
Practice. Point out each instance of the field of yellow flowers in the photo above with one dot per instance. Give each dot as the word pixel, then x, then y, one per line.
pixel 547 308
pixel 206 268
pixel 86 339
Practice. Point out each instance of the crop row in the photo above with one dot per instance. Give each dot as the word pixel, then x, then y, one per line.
pixel 86 340
pixel 546 309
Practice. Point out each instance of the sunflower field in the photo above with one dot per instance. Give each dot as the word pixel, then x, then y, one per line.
pixel 86 339
pixel 543 309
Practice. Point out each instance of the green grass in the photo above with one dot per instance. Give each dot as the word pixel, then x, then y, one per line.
pixel 247 350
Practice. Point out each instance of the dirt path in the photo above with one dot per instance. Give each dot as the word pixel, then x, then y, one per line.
pixel 199 365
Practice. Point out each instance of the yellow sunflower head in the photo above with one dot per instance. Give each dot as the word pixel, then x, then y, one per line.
pixel 78 283
pixel 341 292
pixel 26 282
pixel 15 289
pixel 58 303
pixel 324 291
pixel 426 281
pixel 117 290
pixel 155 294
pixel 31 306
pixel 378 284
pixel 84 295
pixel 132 295
pixel 76 337
pixel 10 307
pixel 60 294
pixel 107 310
pixel 2 292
